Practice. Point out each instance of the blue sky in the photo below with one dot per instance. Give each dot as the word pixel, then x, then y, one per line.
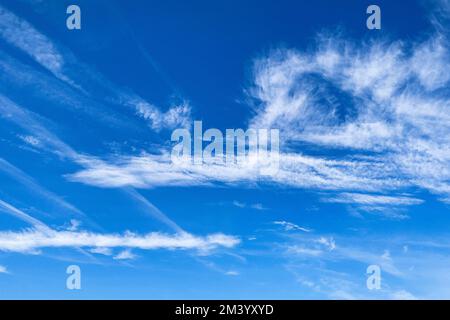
pixel 86 122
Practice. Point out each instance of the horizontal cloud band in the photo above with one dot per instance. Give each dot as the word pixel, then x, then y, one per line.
pixel 35 239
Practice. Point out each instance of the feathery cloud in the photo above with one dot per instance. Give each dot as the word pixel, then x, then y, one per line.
pixel 371 199
pixel 31 240
pixel 3 269
pixel 64 65
pixel 288 226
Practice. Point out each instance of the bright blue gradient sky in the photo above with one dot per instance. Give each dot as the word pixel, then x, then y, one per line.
pixel 86 118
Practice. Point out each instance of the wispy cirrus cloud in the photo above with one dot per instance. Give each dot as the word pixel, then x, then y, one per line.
pixel 255 206
pixel 296 170
pixel 153 170
pixel 49 142
pixel 421 267
pixel 31 184
pixel 388 206
pixel 3 269
pixel 289 226
pixel 32 123
pixel 65 66
pixel 386 99
pixel 72 238
pixel 102 251
pixel 300 93
pixel 32 240
pixel 24 36
pixel 37 224
pixel 312 247
pixel 371 199
pixel 384 103
pixel 125 255
pixel 176 117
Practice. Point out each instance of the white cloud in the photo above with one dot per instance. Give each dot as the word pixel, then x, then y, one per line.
pixel 329 243
pixel 256 206
pixel 295 170
pixel 3 269
pixel 51 143
pixel 325 249
pixel 239 204
pixel 389 206
pixel 64 65
pixel 429 63
pixel 31 123
pixel 125 255
pixel 178 116
pixel 9 209
pixel 302 251
pixel 371 199
pixel 153 211
pixel 74 224
pixel 289 226
pixel 311 247
pixel 392 111
pixel 386 255
pixel 41 236
pixel 388 98
pixel 32 240
pixel 24 36
pixel 33 141
pixel 32 185
pixel 402 295
pixel 101 250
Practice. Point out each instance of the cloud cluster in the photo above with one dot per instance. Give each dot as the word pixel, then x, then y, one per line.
pixel 178 116
pixel 389 100
pixel 85 81
pixel 384 103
